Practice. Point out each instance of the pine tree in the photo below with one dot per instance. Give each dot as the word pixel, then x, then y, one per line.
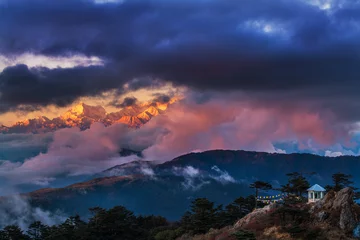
pixel 297 184
pixel 260 185
pixel 13 232
pixel 116 223
pixel 37 231
pixel 340 181
pixel 203 216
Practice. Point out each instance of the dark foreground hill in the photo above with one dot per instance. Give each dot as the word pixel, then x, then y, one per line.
pixel 167 189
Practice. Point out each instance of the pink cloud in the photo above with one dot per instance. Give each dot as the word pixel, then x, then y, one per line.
pixel 231 124
pixel 75 152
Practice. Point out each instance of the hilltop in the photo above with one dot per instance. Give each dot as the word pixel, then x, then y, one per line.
pixel 335 217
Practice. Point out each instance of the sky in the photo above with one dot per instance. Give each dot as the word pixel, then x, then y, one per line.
pixel 275 76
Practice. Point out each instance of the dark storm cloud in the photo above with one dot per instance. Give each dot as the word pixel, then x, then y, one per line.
pixel 143 82
pixel 288 50
pixel 37 87
pixel 161 98
pixel 127 102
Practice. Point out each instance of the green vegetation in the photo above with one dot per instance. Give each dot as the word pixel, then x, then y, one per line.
pixel 260 185
pixel 244 235
pixel 238 208
pixel 121 223
pixel 297 184
pixel 340 181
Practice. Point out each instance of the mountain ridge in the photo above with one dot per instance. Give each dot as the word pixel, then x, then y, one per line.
pixel 220 175
pixel 83 115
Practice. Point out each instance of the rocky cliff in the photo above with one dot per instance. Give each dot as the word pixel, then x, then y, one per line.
pixel 337 210
pixel 335 217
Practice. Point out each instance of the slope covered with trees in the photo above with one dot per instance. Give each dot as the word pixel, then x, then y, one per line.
pixel 291 215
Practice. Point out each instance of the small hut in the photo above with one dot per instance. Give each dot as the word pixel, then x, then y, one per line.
pixel 315 193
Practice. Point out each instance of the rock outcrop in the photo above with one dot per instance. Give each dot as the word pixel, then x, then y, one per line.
pixel 338 208
pixel 256 214
pixel 335 217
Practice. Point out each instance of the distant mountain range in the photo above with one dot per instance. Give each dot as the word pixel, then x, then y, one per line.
pixel 83 115
pixel 168 188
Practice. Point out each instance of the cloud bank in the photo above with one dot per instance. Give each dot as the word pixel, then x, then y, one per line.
pixel 73 152
pixel 15 210
pixel 186 126
pixel 233 124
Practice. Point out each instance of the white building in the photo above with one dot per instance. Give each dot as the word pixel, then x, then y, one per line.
pixel 315 193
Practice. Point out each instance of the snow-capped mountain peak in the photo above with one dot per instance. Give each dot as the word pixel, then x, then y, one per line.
pixel 83 115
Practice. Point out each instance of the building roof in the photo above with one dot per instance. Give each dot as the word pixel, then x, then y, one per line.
pixel 317 188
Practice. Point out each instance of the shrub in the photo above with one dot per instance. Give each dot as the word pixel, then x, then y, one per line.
pixel 244 235
pixel 169 234
pixel 296 231
pixel 166 235
pixel 312 234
